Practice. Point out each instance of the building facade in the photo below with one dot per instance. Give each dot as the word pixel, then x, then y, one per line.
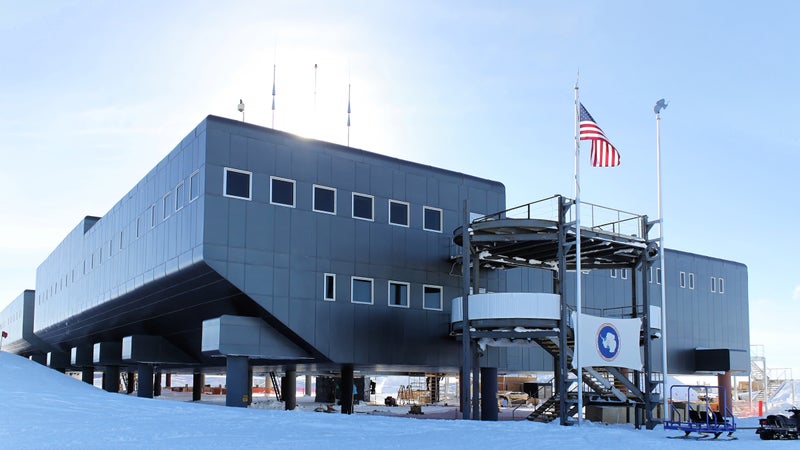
pixel 333 255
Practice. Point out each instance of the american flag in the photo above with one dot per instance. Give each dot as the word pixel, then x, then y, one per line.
pixel 603 153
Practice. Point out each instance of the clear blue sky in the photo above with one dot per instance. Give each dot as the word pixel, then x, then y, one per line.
pixel 95 93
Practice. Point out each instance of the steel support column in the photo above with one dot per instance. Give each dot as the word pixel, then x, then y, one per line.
pixel 562 371
pixel 489 409
pixel 289 390
pixel 145 380
pixel 346 389
pixel 198 381
pixel 111 379
pixel 466 351
pixel 236 381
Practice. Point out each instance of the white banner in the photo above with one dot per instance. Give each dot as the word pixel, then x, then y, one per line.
pixel 607 342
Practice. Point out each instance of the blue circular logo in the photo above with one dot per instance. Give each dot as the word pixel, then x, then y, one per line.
pixel 608 342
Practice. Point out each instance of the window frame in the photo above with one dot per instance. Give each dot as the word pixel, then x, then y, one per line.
pixel 194 179
pixel 371 281
pixel 408 213
pixel 714 284
pixel 225 183
pixel 166 205
pixel 178 203
pixel 682 279
pixel 691 280
pixel 720 285
pixel 325 278
pixel 613 273
pixel 372 206
pixel 314 199
pixel 658 275
pixel 407 303
pixel 272 180
pixel 441 297
pixel 425 220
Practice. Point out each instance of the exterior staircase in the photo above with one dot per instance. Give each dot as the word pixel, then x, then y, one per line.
pixel 606 385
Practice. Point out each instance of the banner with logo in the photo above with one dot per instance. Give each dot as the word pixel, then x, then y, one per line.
pixel 608 342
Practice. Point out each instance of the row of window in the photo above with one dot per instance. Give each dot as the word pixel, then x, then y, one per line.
pixel 717 283
pixel 362 290
pixel 172 201
pixel 168 204
pixel 239 183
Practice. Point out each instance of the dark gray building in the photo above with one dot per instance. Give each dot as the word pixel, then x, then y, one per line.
pixel 287 254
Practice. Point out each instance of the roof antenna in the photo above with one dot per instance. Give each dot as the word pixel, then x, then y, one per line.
pixel 348 106
pixel 241 108
pixel 273 96
pixel 274 65
pixel 348 114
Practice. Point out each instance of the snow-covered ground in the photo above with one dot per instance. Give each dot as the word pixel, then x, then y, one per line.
pixel 41 408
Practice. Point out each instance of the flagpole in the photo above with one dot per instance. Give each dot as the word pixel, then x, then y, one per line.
pixel 576 352
pixel 659 106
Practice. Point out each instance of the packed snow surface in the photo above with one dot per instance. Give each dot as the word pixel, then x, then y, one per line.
pixel 42 408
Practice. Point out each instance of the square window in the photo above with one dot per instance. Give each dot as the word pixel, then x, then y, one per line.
pixel 398 213
pixel 432 219
pixel 194 185
pixel 363 206
pixel 691 280
pixel 237 183
pixel 721 285
pixel 324 199
pixel 361 291
pixel 329 287
pixel 682 279
pixel 281 191
pixel 713 284
pixel 167 205
pixel 398 294
pixel 180 196
pixel 432 297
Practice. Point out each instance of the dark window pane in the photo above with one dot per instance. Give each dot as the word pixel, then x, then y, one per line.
pixel 398 213
pixel 432 298
pixel 362 206
pixel 324 200
pixel 282 192
pixel 433 219
pixel 329 287
pixel 362 291
pixel 237 184
pixel 398 294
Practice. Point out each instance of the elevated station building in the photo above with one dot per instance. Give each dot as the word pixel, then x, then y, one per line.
pixel 249 249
